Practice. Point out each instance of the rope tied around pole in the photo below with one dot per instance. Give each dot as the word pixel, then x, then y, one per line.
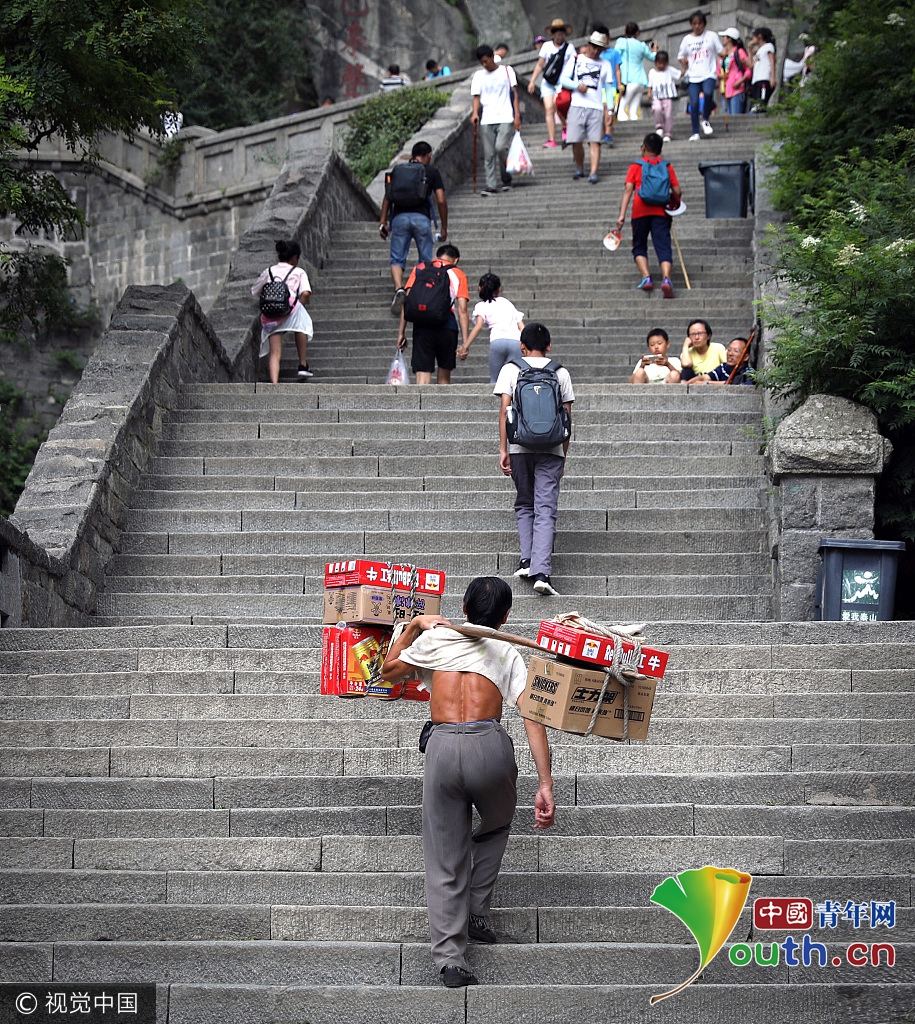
pixel 624 674
pixel 617 672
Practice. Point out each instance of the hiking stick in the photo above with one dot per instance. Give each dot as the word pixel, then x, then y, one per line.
pixel 474 159
pixel 673 232
pixel 743 354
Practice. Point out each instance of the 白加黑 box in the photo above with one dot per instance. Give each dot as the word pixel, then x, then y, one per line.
pixel 597 650
pixel 564 696
pixel 358 572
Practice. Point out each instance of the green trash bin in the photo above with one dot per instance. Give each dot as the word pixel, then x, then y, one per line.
pixel 856 580
pixel 728 188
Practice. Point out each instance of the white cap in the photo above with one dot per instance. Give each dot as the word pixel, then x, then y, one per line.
pixel 731 33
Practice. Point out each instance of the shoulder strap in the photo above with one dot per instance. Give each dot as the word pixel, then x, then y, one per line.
pixel 520 362
pixel 553 365
pixel 287 276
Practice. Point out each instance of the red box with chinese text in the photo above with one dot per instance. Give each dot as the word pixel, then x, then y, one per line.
pixel 592 649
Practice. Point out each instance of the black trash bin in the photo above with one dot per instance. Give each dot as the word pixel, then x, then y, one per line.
pixel 856 581
pixel 728 188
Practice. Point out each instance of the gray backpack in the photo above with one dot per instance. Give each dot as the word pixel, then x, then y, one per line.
pixel 536 418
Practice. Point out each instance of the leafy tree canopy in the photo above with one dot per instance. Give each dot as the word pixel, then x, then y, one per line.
pixel 75 69
pixel 252 64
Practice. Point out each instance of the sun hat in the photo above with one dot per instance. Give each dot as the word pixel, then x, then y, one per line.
pixel 558 25
pixel 599 40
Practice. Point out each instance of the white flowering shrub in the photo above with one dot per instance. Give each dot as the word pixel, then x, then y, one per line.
pixel 849 326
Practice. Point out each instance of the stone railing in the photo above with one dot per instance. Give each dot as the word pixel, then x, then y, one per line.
pixel 67 523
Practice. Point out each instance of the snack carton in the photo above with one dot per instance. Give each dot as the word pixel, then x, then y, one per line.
pixel 593 649
pixel 563 696
pixel 357 572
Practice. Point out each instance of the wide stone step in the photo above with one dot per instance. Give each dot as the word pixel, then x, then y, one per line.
pixel 401 888
pixel 190 762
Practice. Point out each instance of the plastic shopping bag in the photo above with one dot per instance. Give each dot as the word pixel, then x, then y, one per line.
pixel 519 160
pixel 398 373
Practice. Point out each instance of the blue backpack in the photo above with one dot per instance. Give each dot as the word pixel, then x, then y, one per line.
pixel 655 187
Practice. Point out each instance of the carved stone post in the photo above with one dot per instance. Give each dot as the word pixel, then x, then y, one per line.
pixel 824 460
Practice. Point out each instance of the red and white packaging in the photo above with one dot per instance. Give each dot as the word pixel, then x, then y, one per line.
pixel 592 649
pixel 357 572
pixel 350 660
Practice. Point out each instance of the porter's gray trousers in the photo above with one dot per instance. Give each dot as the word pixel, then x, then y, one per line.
pixel 471 764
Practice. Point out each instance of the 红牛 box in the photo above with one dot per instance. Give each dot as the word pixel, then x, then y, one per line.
pixel 563 696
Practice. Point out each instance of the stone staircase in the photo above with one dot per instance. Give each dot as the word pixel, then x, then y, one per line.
pixel 181 806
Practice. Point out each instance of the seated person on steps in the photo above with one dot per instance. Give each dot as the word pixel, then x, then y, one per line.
pixel 656 367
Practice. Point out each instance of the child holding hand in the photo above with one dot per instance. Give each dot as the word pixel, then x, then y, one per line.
pixel 662 91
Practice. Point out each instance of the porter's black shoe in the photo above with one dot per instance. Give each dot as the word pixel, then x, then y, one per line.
pixel 457 977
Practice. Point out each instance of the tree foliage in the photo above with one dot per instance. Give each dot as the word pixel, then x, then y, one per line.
pixel 376 133
pixel 17 450
pixel 74 69
pixel 863 88
pixel 845 170
pixel 252 65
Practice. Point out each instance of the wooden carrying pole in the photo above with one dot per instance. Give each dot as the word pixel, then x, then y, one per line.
pixel 673 232
pixel 743 355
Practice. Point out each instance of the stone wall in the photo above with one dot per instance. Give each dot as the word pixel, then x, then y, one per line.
pixel 54 549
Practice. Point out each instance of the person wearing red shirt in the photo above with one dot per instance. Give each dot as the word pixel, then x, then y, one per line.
pixel 648 219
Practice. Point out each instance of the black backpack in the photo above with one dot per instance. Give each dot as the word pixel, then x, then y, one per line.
pixel 275 298
pixel 428 302
pixel 552 72
pixel 407 184
pixel 536 418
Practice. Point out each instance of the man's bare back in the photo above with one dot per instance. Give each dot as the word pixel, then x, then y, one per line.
pixel 464 697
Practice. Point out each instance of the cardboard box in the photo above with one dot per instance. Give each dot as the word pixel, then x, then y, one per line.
pixel 369 605
pixel 375 605
pixel 563 696
pixel 597 650
pixel 359 572
pixel 350 662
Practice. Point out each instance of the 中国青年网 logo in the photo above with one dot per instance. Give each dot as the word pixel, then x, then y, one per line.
pixel 710 901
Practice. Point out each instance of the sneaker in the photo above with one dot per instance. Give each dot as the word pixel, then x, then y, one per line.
pixel 593 179
pixel 659 131
pixel 492 191
pixel 304 371
pixel 457 977
pixel 667 289
pixel 543 586
pixel 579 174
pixel 549 144
pixel 645 285
pixel 507 187
pixel 707 128
pixel 524 567
pixel 693 138
pixel 397 302
pixel 608 141
pixel 667 138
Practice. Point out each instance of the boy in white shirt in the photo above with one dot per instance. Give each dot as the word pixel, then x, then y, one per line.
pixel 496 110
pixel 587 77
